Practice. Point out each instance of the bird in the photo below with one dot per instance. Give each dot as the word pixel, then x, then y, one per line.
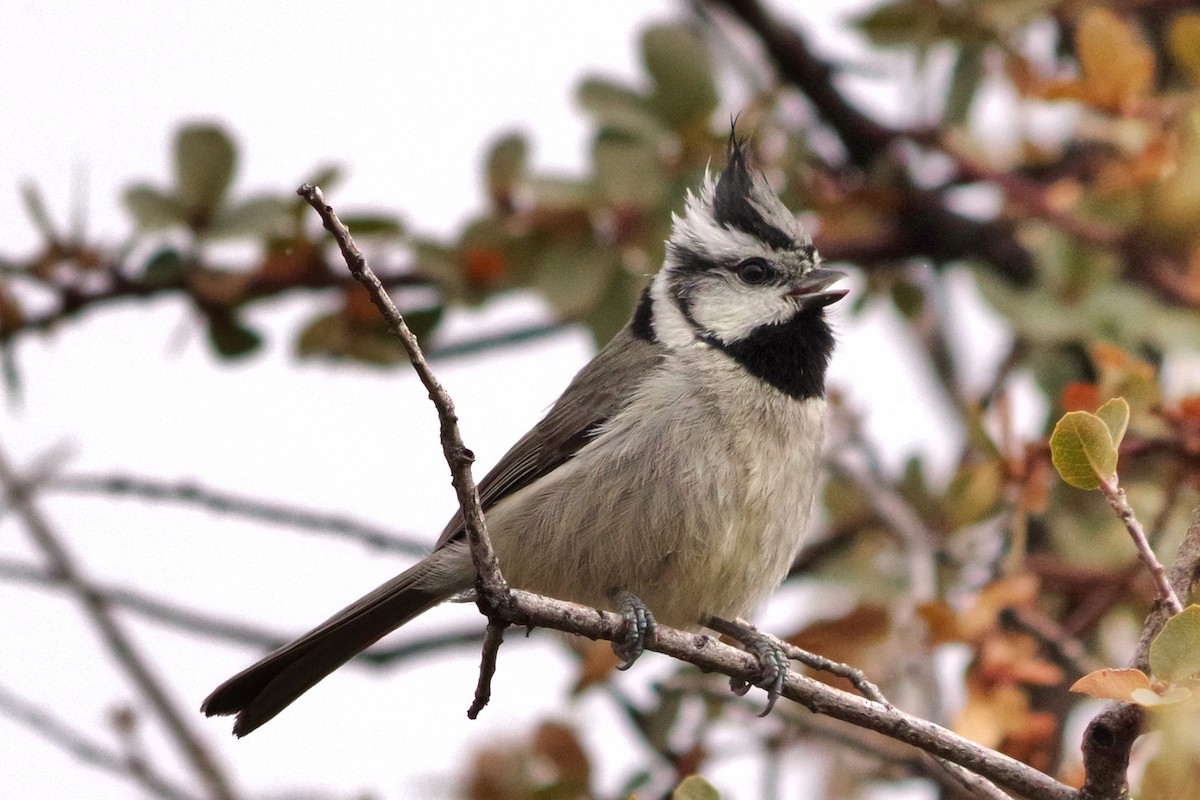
pixel 673 479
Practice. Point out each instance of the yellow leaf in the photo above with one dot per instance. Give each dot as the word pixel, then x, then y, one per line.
pixel 1082 450
pixel 1149 698
pixel 1112 684
pixel 1118 65
pixel 1115 416
pixel 1183 38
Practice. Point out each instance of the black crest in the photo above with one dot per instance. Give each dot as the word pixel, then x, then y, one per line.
pixel 733 204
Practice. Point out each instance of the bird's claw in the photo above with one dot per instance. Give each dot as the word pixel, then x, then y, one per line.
pixel 774 664
pixel 640 628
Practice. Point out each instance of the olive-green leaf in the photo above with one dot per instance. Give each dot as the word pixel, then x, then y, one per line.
pixel 205 158
pixel 232 339
pixel 1115 416
pixel 629 171
pixel 693 787
pixel 1175 652
pixel 325 176
pixel 965 80
pixel 573 277
pixel 35 206
pixel 506 163
pixel 619 108
pixel 256 216
pixel 1082 450
pixel 165 268
pixel 324 335
pixel 681 70
pixel 153 209
pixel 422 321
pixel 373 225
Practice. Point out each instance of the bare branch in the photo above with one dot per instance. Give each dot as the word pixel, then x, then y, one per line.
pixel 710 655
pixel 458 457
pixel 1120 504
pixel 190 492
pixel 80 747
pixel 116 639
pixel 487 666
pixel 1109 737
pixel 205 624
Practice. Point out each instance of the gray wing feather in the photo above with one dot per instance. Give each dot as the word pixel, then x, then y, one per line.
pixel 596 394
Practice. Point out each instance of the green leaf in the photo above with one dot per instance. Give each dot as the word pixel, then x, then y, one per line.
pixel 373 225
pixel 152 209
pixel 326 176
pixel 1115 416
pixel 628 170
pixel 324 335
pixel 573 277
pixel 255 216
pixel 232 339
pixel 902 23
pixel 968 74
pixel 611 311
pixel 506 163
pixel 205 158
pixel 422 321
pixel 165 268
pixel 35 206
pixel 1082 450
pixel 693 787
pixel 1175 652
pixel 1174 204
pixel 679 66
pixel 619 108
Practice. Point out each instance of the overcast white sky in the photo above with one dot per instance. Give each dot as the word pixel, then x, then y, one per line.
pixel 406 97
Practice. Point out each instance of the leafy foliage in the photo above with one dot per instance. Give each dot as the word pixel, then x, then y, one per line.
pixel 1090 255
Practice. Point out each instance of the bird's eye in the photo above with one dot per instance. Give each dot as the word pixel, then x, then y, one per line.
pixel 754 271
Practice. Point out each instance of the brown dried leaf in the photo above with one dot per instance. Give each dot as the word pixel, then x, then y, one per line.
pixel 1118 65
pixel 1111 684
pixel 1011 592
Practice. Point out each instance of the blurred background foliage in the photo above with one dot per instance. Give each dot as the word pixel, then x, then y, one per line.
pixel 1085 240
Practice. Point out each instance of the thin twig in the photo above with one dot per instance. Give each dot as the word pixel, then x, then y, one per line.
pixel 1109 737
pixel 115 638
pixel 1120 504
pixel 223 502
pixel 205 624
pixel 974 783
pixel 83 749
pixel 487 666
pixel 458 457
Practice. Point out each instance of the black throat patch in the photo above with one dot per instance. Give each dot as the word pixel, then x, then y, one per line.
pixel 791 356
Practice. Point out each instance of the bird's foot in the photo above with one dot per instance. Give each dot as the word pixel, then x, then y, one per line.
pixel 773 660
pixel 640 628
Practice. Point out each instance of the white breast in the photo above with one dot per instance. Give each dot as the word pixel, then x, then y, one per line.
pixel 695 498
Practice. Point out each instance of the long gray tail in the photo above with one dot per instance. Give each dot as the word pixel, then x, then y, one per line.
pixel 258 693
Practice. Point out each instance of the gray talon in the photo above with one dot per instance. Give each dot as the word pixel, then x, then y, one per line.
pixel 640 628
pixel 773 660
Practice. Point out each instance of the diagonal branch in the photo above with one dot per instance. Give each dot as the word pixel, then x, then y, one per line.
pixel 373 536
pixel 84 750
pixel 205 624
pixel 19 497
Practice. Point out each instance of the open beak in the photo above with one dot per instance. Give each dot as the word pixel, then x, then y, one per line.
pixel 810 290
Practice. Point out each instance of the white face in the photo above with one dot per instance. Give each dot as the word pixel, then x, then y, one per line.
pixel 724 305
pixel 727 300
